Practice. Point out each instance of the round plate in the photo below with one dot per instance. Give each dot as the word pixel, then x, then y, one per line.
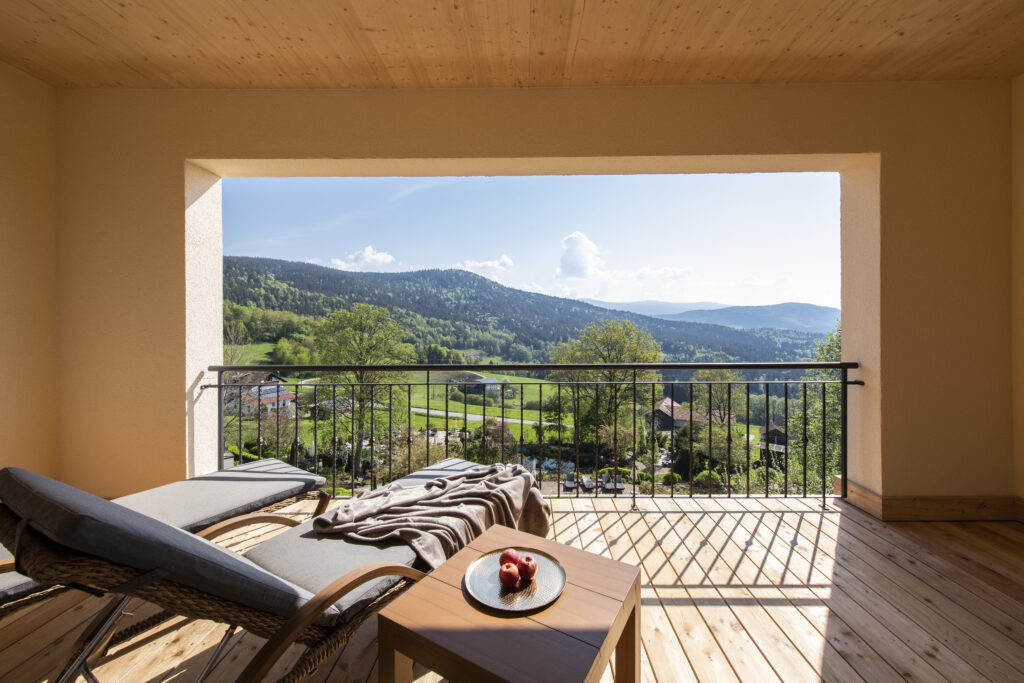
pixel 481 581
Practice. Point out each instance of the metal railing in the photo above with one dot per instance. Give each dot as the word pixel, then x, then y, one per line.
pixel 584 429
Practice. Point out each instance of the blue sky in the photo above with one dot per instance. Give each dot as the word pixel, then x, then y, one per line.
pixel 736 239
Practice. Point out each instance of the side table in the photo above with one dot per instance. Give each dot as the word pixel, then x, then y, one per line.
pixel 438 625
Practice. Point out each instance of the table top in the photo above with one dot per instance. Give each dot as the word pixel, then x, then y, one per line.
pixel 564 641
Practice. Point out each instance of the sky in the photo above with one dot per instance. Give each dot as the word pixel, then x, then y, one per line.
pixel 735 239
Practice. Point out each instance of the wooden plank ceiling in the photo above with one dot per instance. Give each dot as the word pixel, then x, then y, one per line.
pixel 506 43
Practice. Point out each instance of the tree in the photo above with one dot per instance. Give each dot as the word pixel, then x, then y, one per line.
pixel 604 397
pixel 713 399
pixel 363 336
pixel 827 350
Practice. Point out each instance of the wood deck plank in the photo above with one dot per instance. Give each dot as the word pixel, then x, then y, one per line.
pixel 843 598
pixel 906 617
pixel 667 657
pixel 986 648
pixel 757 571
pixel 750 589
pixel 676 565
pixel 922 557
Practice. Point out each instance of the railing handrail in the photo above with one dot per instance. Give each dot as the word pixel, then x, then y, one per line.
pixel 537 367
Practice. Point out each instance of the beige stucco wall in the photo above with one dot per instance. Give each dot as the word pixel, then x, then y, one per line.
pixel 1018 282
pixel 926 306
pixel 30 402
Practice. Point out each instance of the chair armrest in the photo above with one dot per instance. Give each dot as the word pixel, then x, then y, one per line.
pixel 317 605
pixel 323 500
pixel 7 565
pixel 221 528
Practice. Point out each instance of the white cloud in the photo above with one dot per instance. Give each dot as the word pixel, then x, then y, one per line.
pixel 314 261
pixel 367 256
pixel 503 262
pixel 580 257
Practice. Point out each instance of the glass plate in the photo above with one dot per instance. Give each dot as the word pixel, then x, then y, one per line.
pixel 481 582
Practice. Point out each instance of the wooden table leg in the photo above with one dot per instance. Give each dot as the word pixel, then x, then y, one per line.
pixel 394 666
pixel 627 650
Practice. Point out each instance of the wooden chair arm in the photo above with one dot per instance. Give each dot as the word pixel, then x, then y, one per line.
pixel 324 499
pixel 308 613
pixel 7 565
pixel 221 528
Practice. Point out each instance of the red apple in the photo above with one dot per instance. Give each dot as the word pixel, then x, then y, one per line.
pixel 509 575
pixel 509 555
pixel 527 567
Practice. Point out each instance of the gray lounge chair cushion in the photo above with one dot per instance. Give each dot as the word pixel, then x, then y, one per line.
pixel 92 525
pixel 194 504
pixel 438 469
pixel 313 561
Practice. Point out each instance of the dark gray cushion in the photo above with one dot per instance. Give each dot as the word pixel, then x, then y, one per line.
pixel 92 525
pixel 197 503
pixel 312 561
pixel 194 504
pixel 438 469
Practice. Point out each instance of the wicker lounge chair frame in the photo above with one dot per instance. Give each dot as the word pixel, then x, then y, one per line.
pixel 48 562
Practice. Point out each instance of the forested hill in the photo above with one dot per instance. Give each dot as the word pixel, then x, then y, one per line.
pixel 458 309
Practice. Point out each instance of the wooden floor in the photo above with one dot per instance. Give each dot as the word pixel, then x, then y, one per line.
pixel 740 589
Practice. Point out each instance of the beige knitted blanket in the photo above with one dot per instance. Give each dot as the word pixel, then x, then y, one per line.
pixel 443 516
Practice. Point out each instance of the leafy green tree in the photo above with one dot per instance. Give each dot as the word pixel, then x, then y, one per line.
pixel 713 399
pixel 608 396
pixel 827 350
pixel 362 336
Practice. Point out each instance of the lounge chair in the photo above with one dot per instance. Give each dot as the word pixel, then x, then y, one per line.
pixel 587 482
pixel 607 485
pixel 286 589
pixel 570 482
pixel 192 504
pixel 619 484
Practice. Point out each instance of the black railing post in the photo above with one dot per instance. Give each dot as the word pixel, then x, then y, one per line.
pixel 728 440
pixel 258 407
pixel 222 446
pixel 408 430
pixel 785 444
pixel 824 439
pixel 316 424
pixel 597 439
pixel 843 416
pixel 558 453
pixel 391 432
pixel 633 421
pixel 428 417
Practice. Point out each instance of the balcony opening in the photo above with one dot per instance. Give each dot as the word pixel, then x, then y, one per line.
pixel 504 275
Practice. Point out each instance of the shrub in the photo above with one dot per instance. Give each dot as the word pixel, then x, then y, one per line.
pixel 701 480
pixel 642 477
pixel 671 478
pixel 623 472
pixel 477 399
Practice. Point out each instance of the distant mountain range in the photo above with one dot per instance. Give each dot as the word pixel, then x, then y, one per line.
pixel 461 310
pixel 787 316
pixel 654 308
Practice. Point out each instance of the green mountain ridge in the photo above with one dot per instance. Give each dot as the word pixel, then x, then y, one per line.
pixel 459 309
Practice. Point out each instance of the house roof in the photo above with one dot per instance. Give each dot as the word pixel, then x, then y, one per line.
pixel 495 43
pixel 267 395
pixel 670 408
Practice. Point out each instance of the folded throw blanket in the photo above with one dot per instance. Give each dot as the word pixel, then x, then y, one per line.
pixel 443 516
